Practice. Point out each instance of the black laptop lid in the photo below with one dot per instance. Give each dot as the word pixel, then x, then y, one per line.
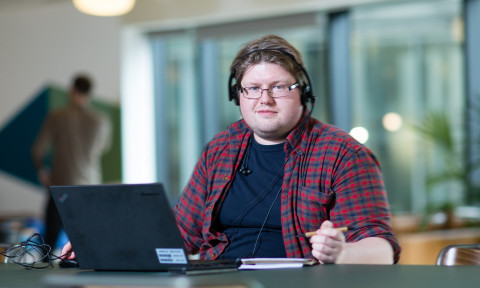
pixel 121 227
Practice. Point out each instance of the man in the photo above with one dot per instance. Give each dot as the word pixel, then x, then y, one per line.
pixel 278 173
pixel 77 136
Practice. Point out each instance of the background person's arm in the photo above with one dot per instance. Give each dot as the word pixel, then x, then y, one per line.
pixel 39 151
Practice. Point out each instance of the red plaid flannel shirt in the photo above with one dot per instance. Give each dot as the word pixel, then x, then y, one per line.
pixel 328 175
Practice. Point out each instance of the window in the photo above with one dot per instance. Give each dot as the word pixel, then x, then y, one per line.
pixel 407 61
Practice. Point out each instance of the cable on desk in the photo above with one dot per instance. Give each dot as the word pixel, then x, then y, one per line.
pixel 32 253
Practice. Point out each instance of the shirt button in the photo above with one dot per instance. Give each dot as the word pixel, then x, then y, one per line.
pixel 213 255
pixel 226 177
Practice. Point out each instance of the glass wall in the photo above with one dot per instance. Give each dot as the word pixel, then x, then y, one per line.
pixel 177 113
pixel 407 64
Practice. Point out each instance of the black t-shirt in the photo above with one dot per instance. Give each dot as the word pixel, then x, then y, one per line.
pixel 250 214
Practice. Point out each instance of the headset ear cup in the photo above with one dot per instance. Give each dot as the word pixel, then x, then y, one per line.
pixel 233 89
pixel 307 95
pixel 234 94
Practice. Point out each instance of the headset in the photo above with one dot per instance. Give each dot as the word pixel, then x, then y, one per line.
pixel 306 97
pixel 307 94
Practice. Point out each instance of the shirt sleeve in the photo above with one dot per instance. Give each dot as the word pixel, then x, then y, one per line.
pixel 361 200
pixel 190 209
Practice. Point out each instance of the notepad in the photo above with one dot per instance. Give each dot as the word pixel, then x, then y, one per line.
pixel 275 263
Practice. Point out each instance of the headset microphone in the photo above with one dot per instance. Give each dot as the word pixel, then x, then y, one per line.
pixel 244 168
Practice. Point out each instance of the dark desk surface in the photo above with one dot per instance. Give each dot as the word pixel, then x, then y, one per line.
pixel 357 276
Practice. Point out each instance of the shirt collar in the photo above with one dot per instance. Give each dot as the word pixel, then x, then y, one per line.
pixel 294 138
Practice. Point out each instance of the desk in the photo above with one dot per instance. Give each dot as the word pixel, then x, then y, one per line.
pixel 423 248
pixel 358 276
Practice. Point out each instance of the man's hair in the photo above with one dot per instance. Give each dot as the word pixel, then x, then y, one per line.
pixel 269 49
pixel 82 84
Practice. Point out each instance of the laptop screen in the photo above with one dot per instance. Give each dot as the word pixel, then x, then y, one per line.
pixel 121 227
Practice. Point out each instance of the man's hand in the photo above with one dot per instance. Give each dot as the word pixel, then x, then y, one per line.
pixel 67 251
pixel 328 244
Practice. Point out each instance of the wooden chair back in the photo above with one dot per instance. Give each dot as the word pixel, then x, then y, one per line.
pixel 3 248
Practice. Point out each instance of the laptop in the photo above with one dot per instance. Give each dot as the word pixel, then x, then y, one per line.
pixel 126 227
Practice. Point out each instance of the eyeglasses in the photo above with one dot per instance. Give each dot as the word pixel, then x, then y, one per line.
pixel 276 91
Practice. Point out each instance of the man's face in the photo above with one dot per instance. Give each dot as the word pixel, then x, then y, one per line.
pixel 77 98
pixel 271 119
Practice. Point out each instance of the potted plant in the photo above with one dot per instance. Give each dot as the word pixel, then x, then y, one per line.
pixel 455 168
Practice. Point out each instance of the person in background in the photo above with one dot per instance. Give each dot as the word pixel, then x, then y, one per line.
pixel 76 136
pixel 260 185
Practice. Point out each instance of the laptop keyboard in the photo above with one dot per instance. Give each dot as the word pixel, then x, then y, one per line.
pixel 214 264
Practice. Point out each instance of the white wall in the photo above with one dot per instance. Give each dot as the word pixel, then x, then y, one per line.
pixel 48 44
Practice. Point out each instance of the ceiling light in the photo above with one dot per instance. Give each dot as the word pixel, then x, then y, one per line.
pixel 360 134
pixel 104 7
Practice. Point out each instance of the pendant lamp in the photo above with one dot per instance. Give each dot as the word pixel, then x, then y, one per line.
pixel 104 7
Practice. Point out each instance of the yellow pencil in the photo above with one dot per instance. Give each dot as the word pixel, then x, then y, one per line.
pixel 311 233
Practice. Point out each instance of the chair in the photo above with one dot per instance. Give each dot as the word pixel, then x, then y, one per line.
pixel 3 248
pixel 459 254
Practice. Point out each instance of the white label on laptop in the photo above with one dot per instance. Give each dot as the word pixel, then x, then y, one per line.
pixel 171 256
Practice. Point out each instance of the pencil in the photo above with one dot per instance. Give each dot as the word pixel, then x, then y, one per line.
pixel 311 233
